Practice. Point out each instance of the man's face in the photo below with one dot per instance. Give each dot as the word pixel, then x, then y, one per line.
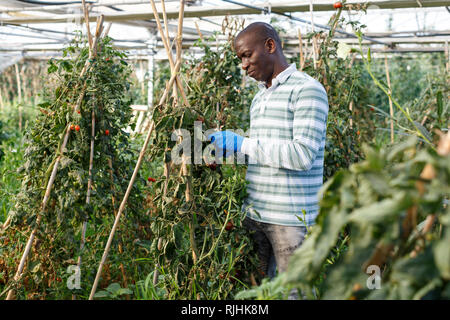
pixel 255 55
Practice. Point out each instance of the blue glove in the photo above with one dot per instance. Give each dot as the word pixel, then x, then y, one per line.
pixel 226 140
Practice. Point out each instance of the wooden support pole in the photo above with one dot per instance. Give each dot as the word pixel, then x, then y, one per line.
pixel 23 79
pixel 447 57
pixel 166 25
pixel 350 107
pixel 19 92
pixel 2 104
pixel 314 40
pixel 198 30
pixel 391 108
pixel 86 20
pixel 169 52
pixel 300 46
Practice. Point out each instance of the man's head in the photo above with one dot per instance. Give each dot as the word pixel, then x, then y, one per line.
pixel 258 46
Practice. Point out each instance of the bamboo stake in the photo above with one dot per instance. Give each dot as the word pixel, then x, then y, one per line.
pixel 130 185
pixel 2 106
pixel 169 52
pixel 19 91
pixel 24 83
pixel 300 46
pixel 4 92
pixel 166 26
pixel 108 28
pixel 166 33
pixel 425 117
pixel 391 108
pixel 86 19
pixel 314 43
pixel 28 246
pixel 198 30
pixel 447 57
pixel 6 224
pixel 350 107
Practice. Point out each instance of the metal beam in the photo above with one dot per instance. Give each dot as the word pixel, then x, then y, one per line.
pixel 210 11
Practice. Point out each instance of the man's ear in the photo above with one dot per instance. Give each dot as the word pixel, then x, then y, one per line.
pixel 270 45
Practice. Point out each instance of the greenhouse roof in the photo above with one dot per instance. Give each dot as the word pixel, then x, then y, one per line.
pixel 33 28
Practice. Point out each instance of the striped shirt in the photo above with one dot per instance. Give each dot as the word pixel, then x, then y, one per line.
pixel 286 150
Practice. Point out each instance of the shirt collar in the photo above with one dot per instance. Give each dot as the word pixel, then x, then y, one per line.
pixel 281 77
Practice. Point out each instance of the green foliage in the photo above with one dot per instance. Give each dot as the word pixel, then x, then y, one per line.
pixel 273 289
pixel 377 201
pixel 104 91
pixel 198 254
pixel 113 291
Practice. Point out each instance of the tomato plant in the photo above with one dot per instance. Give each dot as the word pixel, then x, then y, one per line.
pixel 103 91
pixel 194 240
pixel 378 201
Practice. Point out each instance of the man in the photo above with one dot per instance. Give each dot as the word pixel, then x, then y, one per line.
pixel 285 148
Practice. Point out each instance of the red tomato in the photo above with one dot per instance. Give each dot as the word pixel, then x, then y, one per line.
pixel 72 127
pixel 229 226
pixel 212 166
pixel 337 5
pixel 77 128
pixel 150 179
pixel 107 132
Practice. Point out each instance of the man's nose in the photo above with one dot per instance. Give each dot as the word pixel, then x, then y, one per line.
pixel 245 64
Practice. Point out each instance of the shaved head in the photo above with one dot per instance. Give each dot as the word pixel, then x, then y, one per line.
pixel 261 31
pixel 259 48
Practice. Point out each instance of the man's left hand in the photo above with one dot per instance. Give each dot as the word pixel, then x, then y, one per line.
pixel 226 141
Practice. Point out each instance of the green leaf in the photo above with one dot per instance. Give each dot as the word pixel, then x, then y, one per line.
pixel 441 253
pixel 113 287
pixel 423 131
pixel 102 294
pixel 380 211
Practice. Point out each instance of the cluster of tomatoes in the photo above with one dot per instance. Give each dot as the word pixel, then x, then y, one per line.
pixel 77 128
pixel 74 127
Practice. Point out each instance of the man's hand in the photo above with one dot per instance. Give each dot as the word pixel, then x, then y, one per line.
pixel 226 141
